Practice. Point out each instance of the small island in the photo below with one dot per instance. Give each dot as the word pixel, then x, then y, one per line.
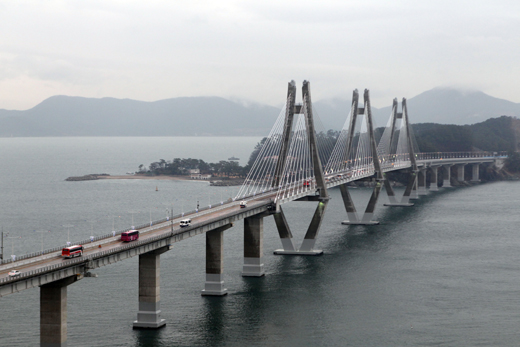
pixel 494 135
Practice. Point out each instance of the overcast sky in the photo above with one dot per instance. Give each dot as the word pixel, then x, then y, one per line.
pixel 154 49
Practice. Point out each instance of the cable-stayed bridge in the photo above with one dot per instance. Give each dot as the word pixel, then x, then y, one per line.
pixel 297 162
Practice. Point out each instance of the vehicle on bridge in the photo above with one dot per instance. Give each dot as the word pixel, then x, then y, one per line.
pixel 243 204
pixel 130 235
pixel 14 273
pixel 72 251
pixel 185 222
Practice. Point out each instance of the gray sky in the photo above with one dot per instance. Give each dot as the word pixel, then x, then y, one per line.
pixel 151 50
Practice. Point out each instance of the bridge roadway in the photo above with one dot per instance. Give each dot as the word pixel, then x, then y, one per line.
pixel 201 222
pixel 229 212
pixel 219 211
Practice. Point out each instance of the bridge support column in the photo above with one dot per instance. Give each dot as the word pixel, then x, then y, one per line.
pixel 285 233
pixel 405 200
pixel 475 171
pixel 53 313
pixel 446 183
pixel 149 314
pixel 352 215
pixel 433 179
pixel 460 172
pixel 307 246
pixel 421 180
pixel 253 247
pixel 215 262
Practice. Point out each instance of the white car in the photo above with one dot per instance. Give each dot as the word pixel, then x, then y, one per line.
pixel 243 204
pixel 14 273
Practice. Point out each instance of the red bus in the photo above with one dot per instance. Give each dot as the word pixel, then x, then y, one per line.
pixel 130 235
pixel 72 251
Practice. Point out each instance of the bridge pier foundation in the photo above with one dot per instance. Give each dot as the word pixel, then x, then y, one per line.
pixel 214 285
pixel 421 180
pixel 446 183
pixel 433 179
pixel 253 247
pixel 475 173
pixel 53 313
pixel 149 314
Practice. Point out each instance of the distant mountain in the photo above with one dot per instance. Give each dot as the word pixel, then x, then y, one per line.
pixel 192 116
pixel 188 116
pixel 438 105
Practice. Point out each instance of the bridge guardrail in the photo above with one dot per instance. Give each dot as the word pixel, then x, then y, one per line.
pixel 388 161
pixel 86 259
pixel 456 155
pixel 105 236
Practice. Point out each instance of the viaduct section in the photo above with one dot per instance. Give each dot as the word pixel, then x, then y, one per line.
pixel 53 275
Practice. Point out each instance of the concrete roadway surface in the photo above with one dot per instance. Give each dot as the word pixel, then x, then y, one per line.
pixel 115 242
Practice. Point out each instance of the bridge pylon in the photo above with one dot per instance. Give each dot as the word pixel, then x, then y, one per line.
pixel 353 218
pixel 316 182
pixel 410 191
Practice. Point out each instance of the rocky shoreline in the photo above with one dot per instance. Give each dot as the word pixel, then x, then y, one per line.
pixel 88 177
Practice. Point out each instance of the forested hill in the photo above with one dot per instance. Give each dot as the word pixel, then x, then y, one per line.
pixel 494 134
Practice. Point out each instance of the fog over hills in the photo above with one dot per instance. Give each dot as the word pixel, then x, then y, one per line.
pixel 187 116
pixel 201 116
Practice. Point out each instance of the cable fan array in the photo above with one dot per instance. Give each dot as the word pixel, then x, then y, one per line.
pixel 392 149
pixel 359 162
pixel 261 176
pixel 298 172
pixel 296 177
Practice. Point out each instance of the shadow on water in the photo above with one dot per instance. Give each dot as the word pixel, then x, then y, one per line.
pixel 213 321
pixel 148 337
pixel 378 237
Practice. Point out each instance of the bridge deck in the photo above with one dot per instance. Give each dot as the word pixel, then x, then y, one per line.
pixel 229 212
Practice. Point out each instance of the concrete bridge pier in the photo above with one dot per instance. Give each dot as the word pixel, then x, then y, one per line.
pixel 149 314
pixel 421 180
pixel 352 214
pixel 460 172
pixel 405 200
pixel 446 183
pixel 215 262
pixel 475 173
pixel 253 247
pixel 53 313
pixel 307 246
pixel 433 179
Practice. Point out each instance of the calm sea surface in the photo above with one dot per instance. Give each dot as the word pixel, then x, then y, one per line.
pixel 442 273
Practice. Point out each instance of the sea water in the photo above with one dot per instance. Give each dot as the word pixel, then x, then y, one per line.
pixel 441 273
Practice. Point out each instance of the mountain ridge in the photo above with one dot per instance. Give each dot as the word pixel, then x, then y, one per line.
pixel 62 115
